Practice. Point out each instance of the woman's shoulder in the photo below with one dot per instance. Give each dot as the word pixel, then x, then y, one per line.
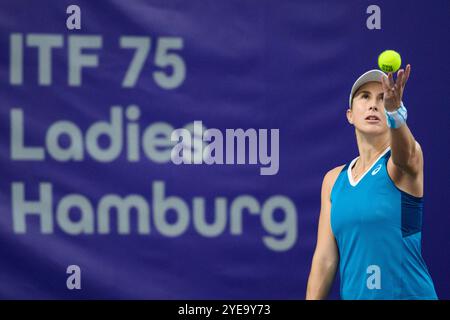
pixel 335 171
pixel 332 175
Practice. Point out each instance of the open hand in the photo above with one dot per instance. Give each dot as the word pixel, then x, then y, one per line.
pixel 393 91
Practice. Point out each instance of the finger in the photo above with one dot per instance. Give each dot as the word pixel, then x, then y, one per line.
pixel 400 77
pixel 391 80
pixel 407 72
pixel 384 84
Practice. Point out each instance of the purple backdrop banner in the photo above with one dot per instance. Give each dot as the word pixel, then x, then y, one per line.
pixel 88 181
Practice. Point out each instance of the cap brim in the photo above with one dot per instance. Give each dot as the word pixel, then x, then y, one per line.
pixel 369 76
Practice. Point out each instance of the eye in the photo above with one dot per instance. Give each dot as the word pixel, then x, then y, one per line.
pixel 365 96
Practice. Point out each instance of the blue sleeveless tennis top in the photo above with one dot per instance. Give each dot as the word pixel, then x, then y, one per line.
pixel 378 233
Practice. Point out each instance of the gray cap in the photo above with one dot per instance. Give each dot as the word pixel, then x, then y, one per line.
pixel 369 76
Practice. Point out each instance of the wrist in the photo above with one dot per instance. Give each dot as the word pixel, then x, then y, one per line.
pixel 397 118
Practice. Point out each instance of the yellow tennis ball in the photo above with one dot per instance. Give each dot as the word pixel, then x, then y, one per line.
pixel 389 61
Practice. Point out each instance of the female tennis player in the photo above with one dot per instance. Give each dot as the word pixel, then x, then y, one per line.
pixel 371 208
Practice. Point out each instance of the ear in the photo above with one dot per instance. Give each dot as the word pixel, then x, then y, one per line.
pixel 350 116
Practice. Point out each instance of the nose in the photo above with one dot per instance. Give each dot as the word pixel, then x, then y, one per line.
pixel 374 108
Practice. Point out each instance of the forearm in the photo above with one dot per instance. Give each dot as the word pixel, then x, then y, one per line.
pixel 320 279
pixel 403 146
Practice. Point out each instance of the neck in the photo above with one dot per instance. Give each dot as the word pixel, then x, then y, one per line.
pixel 370 148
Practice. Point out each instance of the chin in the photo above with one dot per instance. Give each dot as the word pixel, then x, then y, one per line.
pixel 375 131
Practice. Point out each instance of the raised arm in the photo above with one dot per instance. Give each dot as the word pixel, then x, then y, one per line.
pixel 406 163
pixel 405 151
